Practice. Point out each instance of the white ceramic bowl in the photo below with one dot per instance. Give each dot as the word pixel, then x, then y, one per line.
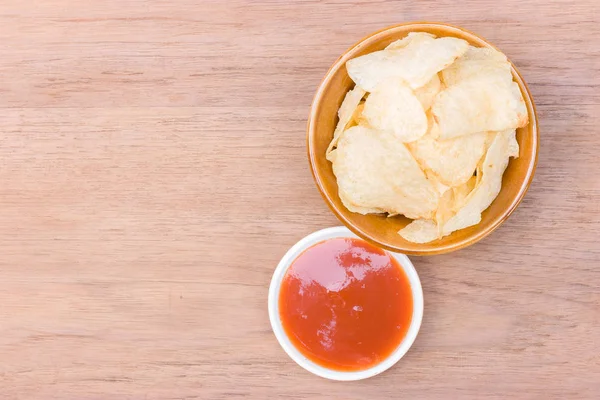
pixel 286 261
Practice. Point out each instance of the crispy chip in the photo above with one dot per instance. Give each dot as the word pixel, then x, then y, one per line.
pixel 420 231
pixel 345 113
pixel 462 207
pixel 496 161
pixel 462 192
pixel 358 209
pixel 452 161
pixel 513 145
pixel 427 93
pixel 445 210
pixel 479 104
pixel 393 107
pixel 434 128
pixel 357 117
pixel 410 38
pixel 415 64
pixel 375 171
pixel 435 181
pixel 478 61
pixel 479 173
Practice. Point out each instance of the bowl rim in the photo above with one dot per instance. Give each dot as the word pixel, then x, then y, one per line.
pixel 277 327
pixel 440 249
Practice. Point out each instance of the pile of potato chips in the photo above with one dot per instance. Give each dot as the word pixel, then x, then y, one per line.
pixel 427 132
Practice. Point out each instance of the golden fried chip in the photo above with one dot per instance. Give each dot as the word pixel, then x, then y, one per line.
pixel 393 107
pixel 478 61
pixel 513 145
pixel 453 161
pixel 435 181
pixel 496 161
pixel 458 211
pixel 480 104
pixel 426 94
pixel 415 64
pixel 434 128
pixel 376 171
pixel 445 210
pixel 420 231
pixel 345 113
pixel 479 173
pixel 357 117
pixel 357 209
pixel 462 192
pixel 410 38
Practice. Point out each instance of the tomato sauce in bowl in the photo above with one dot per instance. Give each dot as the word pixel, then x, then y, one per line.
pixel 345 305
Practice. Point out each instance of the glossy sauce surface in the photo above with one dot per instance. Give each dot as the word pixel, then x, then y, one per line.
pixel 345 304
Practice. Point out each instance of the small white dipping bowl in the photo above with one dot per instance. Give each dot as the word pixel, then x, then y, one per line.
pixel 284 341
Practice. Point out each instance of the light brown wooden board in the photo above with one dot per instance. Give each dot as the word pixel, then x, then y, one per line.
pixel 153 171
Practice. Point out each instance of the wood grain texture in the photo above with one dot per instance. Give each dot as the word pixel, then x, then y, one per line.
pixel 153 171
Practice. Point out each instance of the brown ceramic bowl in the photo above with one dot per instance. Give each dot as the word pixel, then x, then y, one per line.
pixel 378 229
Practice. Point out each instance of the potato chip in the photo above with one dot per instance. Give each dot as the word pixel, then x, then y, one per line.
pixel 513 145
pixel 452 161
pixel 357 117
pixel 463 219
pixel 420 231
pixel 462 192
pixel 426 94
pixel 462 207
pixel 479 173
pixel 435 181
pixel 423 231
pixel 345 113
pixel 479 104
pixel 445 210
pixel 496 161
pixel 415 64
pixel 410 38
pixel 376 171
pixel 478 61
pixel 358 209
pixel 393 107
pixel 434 128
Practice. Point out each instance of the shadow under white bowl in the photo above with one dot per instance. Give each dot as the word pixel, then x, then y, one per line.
pixel 294 353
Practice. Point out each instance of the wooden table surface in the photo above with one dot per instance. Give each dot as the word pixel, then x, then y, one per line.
pixel 153 172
